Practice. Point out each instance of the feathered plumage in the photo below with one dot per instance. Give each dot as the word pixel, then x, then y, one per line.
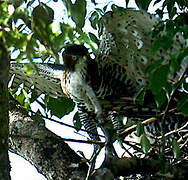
pixel 45 77
pixel 123 56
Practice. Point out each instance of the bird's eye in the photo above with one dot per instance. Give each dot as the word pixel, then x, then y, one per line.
pixel 74 58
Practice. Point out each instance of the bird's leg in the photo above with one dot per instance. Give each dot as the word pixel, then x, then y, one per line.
pixel 101 120
pixel 95 102
pixel 116 123
pixel 108 132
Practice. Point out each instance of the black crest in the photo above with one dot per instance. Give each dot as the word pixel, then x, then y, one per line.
pixel 76 50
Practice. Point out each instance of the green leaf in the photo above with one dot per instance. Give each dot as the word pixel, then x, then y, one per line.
pixel 26 95
pixel 67 31
pixel 60 106
pixel 34 95
pixel 28 69
pixel 76 121
pixel 17 3
pixel 154 66
pixel 170 25
pixel 93 38
pixel 164 42
pixel 168 90
pixel 183 53
pixel 139 129
pixel 27 105
pixel 176 149
pixel 42 18
pixel 42 15
pixel 59 41
pixel 174 64
pixel 77 11
pixel 94 19
pixel 185 31
pixel 37 117
pixel 183 103
pixel 20 98
pixel 140 95
pixel 145 144
pixel 143 4
pixel 159 79
pixel 160 98
pixel 170 7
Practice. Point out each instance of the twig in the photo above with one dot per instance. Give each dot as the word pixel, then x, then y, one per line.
pixel 65 124
pixel 185 143
pixel 35 137
pixel 146 122
pixel 92 165
pixel 162 124
pixel 174 131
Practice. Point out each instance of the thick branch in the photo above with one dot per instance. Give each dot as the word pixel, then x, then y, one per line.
pixel 46 151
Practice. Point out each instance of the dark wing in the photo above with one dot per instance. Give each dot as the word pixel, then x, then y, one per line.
pixel 45 78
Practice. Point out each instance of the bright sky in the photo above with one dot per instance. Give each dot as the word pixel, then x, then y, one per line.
pixel 21 169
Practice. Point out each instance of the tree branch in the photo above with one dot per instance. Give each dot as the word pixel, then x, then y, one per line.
pixel 46 151
pixel 115 167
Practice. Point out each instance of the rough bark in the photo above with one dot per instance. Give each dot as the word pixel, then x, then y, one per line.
pixel 4 121
pixel 46 151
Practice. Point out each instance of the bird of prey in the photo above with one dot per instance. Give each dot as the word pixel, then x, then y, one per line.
pixel 123 57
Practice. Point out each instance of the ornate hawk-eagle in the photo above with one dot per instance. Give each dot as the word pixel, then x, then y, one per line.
pixel 119 68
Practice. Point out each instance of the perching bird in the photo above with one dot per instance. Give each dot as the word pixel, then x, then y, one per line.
pixel 119 68
pixel 75 82
pixel 86 82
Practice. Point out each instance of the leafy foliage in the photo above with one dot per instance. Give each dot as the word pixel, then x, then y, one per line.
pixel 77 11
pixel 77 122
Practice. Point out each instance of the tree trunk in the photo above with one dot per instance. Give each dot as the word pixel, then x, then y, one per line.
pixel 4 121
pixel 46 151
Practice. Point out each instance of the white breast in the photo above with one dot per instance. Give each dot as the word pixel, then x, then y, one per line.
pixel 76 84
pixel 78 88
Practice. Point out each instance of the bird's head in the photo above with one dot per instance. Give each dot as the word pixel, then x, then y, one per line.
pixel 74 54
